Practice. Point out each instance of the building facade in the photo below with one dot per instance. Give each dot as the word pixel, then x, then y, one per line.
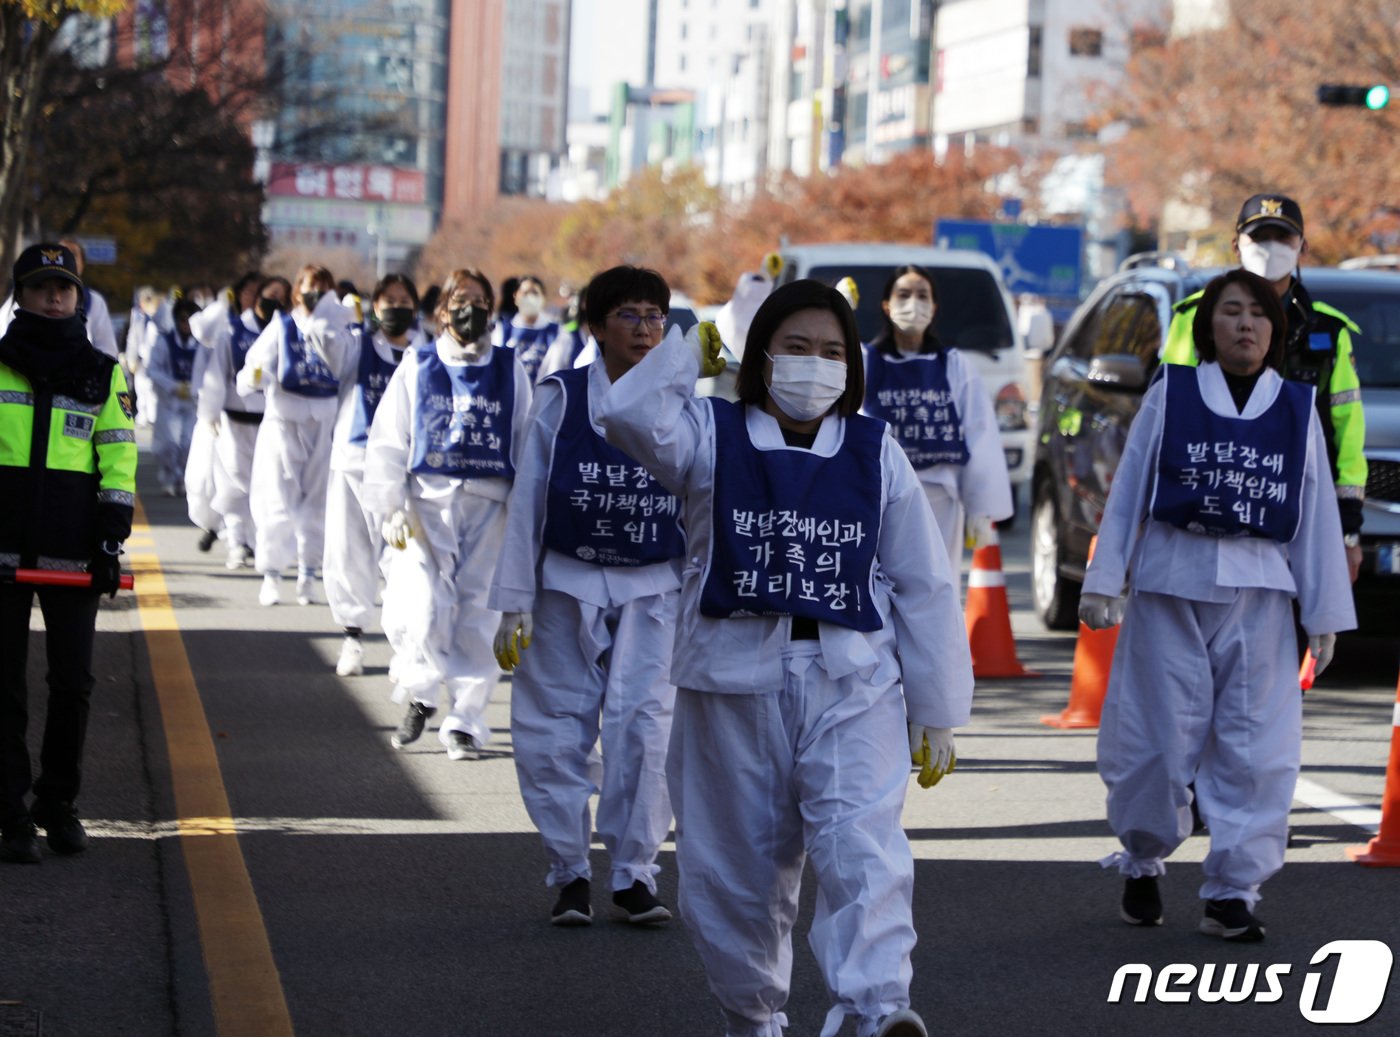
pixel 534 86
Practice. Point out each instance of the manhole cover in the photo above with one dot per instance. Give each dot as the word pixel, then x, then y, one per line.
pixel 20 1021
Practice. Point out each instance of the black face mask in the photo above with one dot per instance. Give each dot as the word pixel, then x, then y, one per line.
pixel 265 309
pixel 310 299
pixel 469 323
pixel 395 320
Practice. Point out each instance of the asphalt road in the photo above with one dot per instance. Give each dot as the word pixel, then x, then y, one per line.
pixel 401 893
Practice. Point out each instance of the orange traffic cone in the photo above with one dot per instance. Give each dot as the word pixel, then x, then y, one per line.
pixel 1093 659
pixel 1384 850
pixel 989 617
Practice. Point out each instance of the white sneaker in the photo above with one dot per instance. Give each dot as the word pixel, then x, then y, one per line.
pixel 271 592
pixel 238 557
pixel 352 658
pixel 306 586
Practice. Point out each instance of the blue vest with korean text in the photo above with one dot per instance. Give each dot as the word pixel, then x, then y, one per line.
pixel 370 383
pixel 913 395
pixel 1230 476
pixel 301 369
pixel 530 344
pixel 463 417
pixel 601 505
pixel 181 356
pixel 794 532
pixel 241 339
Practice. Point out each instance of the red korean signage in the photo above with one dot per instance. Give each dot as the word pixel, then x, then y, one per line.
pixel 348 183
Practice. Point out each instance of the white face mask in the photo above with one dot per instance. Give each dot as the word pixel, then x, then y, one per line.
pixel 911 316
pixel 530 305
pixel 805 387
pixel 1271 260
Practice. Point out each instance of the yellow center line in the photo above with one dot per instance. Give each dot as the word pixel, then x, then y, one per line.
pixel 244 986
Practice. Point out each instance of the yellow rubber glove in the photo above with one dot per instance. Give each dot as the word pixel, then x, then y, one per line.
pixel 257 377
pixel 772 265
pixel 711 363
pixel 932 749
pixel 182 390
pixel 397 529
pixel 513 637
pixel 847 287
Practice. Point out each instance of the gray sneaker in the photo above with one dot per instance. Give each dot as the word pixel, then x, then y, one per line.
pixel 460 746
pixel 904 1023
pixel 411 727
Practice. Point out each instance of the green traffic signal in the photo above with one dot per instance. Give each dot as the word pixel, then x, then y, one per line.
pixel 1377 97
pixel 1373 97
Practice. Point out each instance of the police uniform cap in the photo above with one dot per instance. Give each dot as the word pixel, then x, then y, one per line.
pixel 1264 210
pixel 44 260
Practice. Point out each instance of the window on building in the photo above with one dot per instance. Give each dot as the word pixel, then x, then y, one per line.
pixel 1086 43
pixel 1033 49
pixel 1078 131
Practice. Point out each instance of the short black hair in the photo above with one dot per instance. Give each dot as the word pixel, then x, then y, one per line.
pixel 794 297
pixel 346 287
pixel 251 277
pixel 184 307
pixel 621 284
pixel 388 281
pixel 1202 326
pixel 884 341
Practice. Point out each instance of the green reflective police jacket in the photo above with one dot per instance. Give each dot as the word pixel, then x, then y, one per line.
pixel 1331 371
pixel 67 470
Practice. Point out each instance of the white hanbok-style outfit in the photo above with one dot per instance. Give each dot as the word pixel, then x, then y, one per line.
pixel 435 611
pixel 1204 686
pixel 785 748
pixel 353 541
pixel 171 365
pixel 913 392
pixel 604 615
pixel 292 456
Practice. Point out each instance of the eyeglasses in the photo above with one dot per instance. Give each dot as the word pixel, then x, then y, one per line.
pixel 655 321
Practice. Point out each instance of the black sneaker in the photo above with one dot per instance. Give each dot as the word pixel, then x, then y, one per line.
pixel 19 842
pixel 904 1023
pixel 1231 920
pixel 65 832
pixel 573 907
pixel 461 746
pixel 207 540
pixel 641 905
pixel 411 727
pixel 1142 903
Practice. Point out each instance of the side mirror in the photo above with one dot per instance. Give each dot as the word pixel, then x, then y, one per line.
pixel 1118 371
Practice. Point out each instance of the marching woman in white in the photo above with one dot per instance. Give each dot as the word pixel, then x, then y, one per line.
pixel 812 627
pixel 529 332
pixel 1222 511
pixel 590 571
pixel 172 355
pixel 438 468
pixel 299 361
pixel 937 409
pixel 353 540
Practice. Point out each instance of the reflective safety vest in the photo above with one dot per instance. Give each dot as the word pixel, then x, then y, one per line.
pixel 67 470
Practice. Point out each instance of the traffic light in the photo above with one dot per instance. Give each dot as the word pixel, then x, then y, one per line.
pixel 1374 97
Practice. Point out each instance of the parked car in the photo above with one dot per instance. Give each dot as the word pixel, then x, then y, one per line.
pixel 1094 382
pixel 974 313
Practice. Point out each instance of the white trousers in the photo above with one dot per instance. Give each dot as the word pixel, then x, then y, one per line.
pixel 291 465
pixel 1204 693
pixel 592 671
pixel 448 637
pixel 816 768
pixel 948 513
pixel 233 479
pixel 352 555
pixel 170 437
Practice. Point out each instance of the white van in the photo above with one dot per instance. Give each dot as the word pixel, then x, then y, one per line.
pixel 974 313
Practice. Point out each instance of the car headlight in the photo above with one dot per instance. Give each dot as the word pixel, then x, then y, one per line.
pixel 1011 408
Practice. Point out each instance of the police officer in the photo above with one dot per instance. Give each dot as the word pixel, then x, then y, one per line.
pixel 68 464
pixel 1317 348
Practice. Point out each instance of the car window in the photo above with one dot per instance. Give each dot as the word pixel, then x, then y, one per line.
pixel 1130 327
pixel 1377 348
pixel 971 311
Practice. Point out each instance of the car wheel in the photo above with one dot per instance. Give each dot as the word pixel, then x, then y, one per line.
pixel 1056 599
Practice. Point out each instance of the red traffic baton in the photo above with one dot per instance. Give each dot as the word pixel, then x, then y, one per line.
pixel 53 578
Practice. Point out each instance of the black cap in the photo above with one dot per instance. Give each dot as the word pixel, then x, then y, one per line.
pixel 1270 209
pixel 46 260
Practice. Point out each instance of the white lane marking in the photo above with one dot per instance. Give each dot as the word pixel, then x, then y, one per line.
pixel 1339 806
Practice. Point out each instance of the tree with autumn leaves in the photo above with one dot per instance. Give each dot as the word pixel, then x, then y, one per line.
pixel 1218 114
pixel 676 223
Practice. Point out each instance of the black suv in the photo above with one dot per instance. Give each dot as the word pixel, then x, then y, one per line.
pixel 1094 381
